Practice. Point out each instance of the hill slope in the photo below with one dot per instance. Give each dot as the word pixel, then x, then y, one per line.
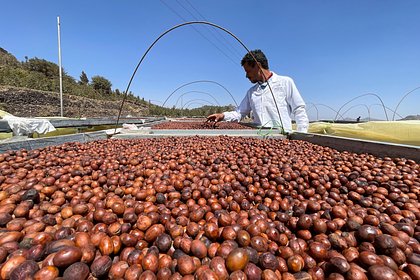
pixel 24 102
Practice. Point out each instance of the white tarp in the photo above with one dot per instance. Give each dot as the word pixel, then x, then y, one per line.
pixel 130 126
pixel 26 126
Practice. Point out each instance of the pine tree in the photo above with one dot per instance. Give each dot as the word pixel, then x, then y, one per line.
pixel 83 78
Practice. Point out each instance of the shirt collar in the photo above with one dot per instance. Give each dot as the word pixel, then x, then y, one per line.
pixel 264 84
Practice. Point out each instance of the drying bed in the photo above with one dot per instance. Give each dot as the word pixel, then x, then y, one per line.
pixel 199 125
pixel 198 207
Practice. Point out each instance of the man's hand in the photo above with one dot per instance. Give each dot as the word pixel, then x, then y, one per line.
pixel 215 117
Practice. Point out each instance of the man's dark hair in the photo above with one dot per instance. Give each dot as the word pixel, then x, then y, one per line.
pixel 259 56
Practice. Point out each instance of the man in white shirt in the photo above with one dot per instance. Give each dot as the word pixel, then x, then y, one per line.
pixel 266 111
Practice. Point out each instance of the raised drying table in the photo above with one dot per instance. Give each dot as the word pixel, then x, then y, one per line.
pixel 88 122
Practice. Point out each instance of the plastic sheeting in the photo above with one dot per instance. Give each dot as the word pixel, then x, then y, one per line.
pixel 27 126
pixel 4 113
pixel 400 132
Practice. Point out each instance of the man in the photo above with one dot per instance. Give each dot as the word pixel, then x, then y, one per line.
pixel 259 98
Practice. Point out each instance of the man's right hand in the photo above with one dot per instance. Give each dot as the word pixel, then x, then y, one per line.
pixel 215 117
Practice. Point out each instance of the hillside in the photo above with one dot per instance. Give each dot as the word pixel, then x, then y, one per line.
pixel 24 102
pixel 411 117
pixel 30 88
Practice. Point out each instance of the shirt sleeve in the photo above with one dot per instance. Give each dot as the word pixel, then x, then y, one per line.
pixel 298 108
pixel 241 111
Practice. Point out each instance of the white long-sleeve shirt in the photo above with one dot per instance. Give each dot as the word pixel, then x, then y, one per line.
pixel 260 101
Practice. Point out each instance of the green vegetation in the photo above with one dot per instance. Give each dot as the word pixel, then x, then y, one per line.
pixel 84 80
pixel 40 74
pixel 196 112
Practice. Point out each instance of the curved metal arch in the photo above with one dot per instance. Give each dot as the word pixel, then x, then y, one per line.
pixel 208 94
pixel 200 81
pixel 389 109
pixel 374 94
pixel 331 108
pixel 398 105
pixel 316 108
pixel 173 28
pixel 357 105
pixel 193 100
pixel 195 103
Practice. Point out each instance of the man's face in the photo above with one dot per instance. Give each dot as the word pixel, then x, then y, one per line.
pixel 252 73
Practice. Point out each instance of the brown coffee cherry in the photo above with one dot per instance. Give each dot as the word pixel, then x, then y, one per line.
pixel 237 259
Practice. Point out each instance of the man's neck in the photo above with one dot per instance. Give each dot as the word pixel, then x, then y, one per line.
pixel 266 75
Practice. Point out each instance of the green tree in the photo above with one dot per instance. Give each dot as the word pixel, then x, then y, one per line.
pixel 101 84
pixel 84 78
pixel 43 66
pixel 7 58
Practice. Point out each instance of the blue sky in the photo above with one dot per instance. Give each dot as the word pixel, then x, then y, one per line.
pixel 334 50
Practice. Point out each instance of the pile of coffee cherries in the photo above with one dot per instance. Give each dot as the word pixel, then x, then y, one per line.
pixel 207 208
pixel 199 125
